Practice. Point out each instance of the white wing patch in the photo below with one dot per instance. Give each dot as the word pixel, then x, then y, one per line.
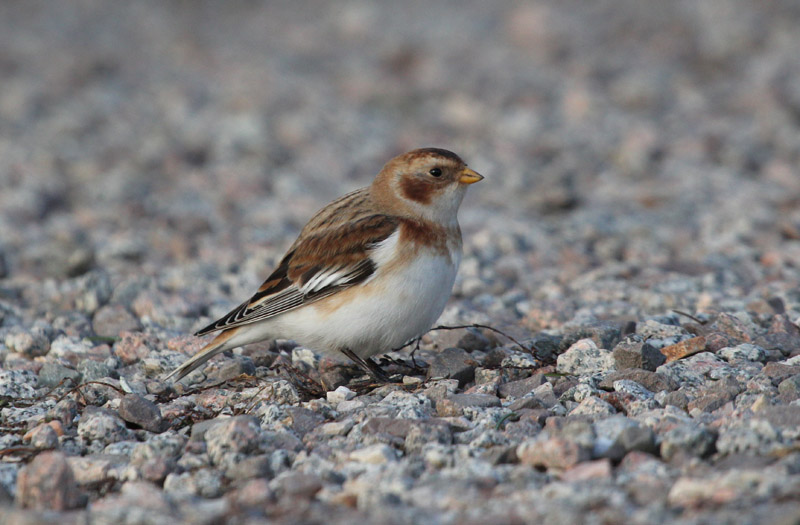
pixel 385 251
pixel 380 254
pixel 325 278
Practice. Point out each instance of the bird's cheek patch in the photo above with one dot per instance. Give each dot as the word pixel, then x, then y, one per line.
pixel 417 190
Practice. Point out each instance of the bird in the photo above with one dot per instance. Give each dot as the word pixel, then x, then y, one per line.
pixel 369 272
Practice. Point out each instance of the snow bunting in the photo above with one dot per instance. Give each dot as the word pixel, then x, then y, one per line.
pixel 369 272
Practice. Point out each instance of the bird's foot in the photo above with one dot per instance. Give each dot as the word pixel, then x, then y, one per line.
pixel 369 366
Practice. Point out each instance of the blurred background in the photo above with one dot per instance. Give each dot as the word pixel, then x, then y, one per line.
pixel 638 155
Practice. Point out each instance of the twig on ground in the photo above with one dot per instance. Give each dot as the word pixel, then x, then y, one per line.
pixel 249 407
pixel 484 327
pixel 78 389
pixel 511 416
pixel 693 318
pixel 14 450
pixel 197 390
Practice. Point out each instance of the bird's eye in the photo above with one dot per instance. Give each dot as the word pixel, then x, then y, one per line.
pixel 436 172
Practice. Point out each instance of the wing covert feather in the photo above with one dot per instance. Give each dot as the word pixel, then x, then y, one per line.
pixel 326 260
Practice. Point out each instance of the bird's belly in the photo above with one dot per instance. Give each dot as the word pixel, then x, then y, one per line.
pixel 379 315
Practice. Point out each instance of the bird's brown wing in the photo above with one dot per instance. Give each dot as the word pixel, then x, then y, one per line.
pixel 320 263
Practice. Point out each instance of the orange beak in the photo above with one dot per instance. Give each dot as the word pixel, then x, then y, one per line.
pixel 469 177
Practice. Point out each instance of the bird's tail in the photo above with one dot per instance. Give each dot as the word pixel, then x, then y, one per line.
pixel 216 346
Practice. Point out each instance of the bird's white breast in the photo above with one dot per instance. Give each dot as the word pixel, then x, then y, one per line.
pixel 400 301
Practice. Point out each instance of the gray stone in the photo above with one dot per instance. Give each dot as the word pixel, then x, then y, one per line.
pixel 501 455
pixel 639 438
pixel 91 370
pixel 619 435
pixel 690 440
pixel 150 503
pixel 297 485
pixel 102 426
pixel 48 483
pixel 527 402
pixel 95 291
pixel 52 374
pixel 232 439
pixel 407 405
pixel 546 395
pixel 633 389
pixel 387 429
pixel 790 388
pixel 376 454
pixel 250 467
pixel 337 428
pixel 141 412
pixel 64 412
pixel 659 328
pixel 332 378
pixel 441 389
pixel 452 363
pixel 283 392
pixel 15 384
pixel 552 452
pixel 521 387
pixel 473 340
pixel 474 400
pixel 73 324
pixel 678 399
pixel 111 320
pixel 584 357
pixel 716 395
pixel 635 352
pixel 652 381
pixel 95 468
pixel 604 334
pixel 32 343
pixel 166 445
pixel 516 365
pixel 693 371
pixel 594 407
pixel 743 352
pixel 545 346
pixel 778 372
pixel 304 420
pixel 232 368
pixel 43 437
pixel 579 392
pixel 483 376
pixel 203 482
pixel 737 327
pixel 708 402
pixel 784 417
pixel 157 469
pixel 422 434
pixel 783 336
pixel 305 358
pixel 753 436
pixel 200 428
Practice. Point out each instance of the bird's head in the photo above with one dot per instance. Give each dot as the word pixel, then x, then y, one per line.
pixel 427 183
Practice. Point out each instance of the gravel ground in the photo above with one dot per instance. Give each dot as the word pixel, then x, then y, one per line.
pixel 638 233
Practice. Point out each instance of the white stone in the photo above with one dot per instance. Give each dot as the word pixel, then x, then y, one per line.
pixel 342 393
pixel 337 428
pixel 374 454
pixel 584 357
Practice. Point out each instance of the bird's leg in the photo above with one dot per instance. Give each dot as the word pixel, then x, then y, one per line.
pixel 368 366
